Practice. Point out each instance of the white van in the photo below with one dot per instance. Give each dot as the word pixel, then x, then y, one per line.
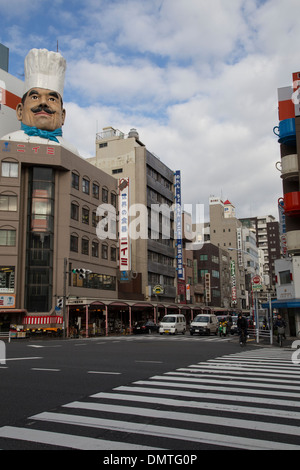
pixel 204 324
pixel 172 324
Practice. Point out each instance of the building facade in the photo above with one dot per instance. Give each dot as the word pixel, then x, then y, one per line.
pixel 151 189
pixel 49 199
pixel 287 269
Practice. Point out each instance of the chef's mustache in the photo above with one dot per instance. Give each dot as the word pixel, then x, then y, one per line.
pixel 42 107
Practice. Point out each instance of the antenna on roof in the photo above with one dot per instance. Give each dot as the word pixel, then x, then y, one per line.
pixel 57 45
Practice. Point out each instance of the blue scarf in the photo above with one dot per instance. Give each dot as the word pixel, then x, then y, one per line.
pixel 51 135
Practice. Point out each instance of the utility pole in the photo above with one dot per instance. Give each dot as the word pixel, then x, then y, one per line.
pixel 65 297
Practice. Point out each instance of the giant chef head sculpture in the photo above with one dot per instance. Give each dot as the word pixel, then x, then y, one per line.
pixel 41 111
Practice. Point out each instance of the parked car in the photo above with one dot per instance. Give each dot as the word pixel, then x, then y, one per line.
pixel 204 324
pixel 145 327
pixel 173 324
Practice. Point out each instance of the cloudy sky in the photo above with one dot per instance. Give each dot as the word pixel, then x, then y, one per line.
pixel 198 79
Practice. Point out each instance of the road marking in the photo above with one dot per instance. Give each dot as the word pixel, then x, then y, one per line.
pixel 67 440
pixel 22 358
pixel 165 432
pixel 46 370
pixel 189 417
pixel 215 396
pixel 234 408
pixel 151 362
pixel 102 372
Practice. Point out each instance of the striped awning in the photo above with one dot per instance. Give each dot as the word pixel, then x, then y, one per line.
pixel 42 320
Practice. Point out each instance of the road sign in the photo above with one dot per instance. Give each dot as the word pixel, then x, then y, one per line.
pixel 256 280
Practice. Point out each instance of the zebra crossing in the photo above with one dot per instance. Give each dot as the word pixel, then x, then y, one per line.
pixel 185 338
pixel 246 400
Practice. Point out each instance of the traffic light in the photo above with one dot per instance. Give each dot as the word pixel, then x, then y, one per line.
pixel 82 273
pixel 60 302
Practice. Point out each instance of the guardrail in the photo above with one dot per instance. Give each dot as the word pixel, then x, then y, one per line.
pixel 260 333
pixel 5 334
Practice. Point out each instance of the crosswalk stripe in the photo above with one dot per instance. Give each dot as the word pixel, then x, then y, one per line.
pixel 66 440
pixel 215 396
pixel 189 417
pixel 166 432
pixel 218 388
pixel 230 376
pixel 216 406
pixel 170 376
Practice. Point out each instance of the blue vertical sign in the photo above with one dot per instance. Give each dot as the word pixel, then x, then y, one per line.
pixel 178 220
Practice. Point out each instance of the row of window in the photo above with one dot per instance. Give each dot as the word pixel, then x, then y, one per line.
pixel 93 189
pixel 97 250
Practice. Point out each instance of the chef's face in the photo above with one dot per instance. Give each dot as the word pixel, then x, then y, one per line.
pixel 42 108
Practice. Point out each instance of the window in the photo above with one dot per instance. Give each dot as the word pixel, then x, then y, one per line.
pixel 104 251
pixel 10 170
pixel 104 195
pixel 94 219
pixel 75 181
pixel 96 190
pixel 285 277
pixel 74 243
pixel 8 203
pixel 85 186
pixel 85 215
pixel 117 170
pixel 113 253
pixel 7 237
pixel 85 246
pixel 95 249
pixel 74 211
pixel 113 198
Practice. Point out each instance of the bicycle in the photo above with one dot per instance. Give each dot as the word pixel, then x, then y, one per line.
pixel 280 333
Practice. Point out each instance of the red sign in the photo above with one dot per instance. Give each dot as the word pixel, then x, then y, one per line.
pixel 256 280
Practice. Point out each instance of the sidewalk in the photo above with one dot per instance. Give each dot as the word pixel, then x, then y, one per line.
pixel 265 341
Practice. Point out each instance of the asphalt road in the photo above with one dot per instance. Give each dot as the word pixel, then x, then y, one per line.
pixel 43 374
pixel 135 392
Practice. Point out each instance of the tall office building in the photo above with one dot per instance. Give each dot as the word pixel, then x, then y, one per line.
pixel 150 184
pixel 266 230
pixel 226 233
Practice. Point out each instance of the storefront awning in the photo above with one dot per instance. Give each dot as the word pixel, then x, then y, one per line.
pixel 295 303
pixel 42 320
pixel 12 310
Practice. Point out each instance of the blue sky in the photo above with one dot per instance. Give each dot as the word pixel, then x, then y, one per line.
pixel 197 79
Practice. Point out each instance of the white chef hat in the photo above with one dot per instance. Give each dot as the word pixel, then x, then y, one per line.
pixel 44 69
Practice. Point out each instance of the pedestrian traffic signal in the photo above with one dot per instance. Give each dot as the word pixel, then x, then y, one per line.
pixel 60 302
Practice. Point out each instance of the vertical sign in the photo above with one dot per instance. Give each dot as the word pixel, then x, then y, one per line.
pixel 233 282
pixel 239 246
pixel 207 288
pixel 178 220
pixel 282 227
pixel 124 242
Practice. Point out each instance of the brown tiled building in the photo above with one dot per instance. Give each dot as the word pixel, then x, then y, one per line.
pixel 48 202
